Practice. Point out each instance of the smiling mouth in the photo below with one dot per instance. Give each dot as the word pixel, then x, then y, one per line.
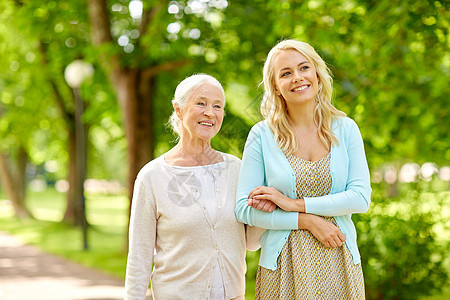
pixel 206 123
pixel 300 88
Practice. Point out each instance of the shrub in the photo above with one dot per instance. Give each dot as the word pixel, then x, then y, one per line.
pixel 402 256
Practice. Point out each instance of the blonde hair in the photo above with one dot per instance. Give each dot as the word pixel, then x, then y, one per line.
pixel 273 106
pixel 184 91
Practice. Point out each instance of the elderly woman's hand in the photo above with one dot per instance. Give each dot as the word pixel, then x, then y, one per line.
pixel 264 198
pixel 265 205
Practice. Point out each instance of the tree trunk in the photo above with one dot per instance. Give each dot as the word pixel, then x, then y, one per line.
pixel 135 95
pixel 71 216
pixel 13 180
pixel 77 148
pixel 134 89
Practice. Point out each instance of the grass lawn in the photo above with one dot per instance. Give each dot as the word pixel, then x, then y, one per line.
pixel 106 236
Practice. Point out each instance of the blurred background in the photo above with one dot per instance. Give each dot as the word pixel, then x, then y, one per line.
pixel 85 95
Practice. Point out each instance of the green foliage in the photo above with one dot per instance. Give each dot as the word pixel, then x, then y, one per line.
pixel 403 244
pixel 107 144
pixel 390 61
pixel 252 259
pixel 39 39
pixel 27 118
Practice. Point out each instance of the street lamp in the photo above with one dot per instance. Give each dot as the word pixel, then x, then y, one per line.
pixel 74 74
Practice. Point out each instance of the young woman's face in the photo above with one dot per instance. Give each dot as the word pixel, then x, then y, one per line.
pixel 295 77
pixel 203 113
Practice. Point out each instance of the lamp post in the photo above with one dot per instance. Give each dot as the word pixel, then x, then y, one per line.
pixel 74 74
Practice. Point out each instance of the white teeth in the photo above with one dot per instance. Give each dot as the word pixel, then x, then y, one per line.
pixel 300 88
pixel 207 124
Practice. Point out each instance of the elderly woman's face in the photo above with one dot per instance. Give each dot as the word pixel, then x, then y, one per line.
pixel 203 113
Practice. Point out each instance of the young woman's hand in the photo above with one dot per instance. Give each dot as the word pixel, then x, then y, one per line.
pixel 262 196
pixel 326 232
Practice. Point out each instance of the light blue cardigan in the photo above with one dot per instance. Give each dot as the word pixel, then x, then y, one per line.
pixel 264 164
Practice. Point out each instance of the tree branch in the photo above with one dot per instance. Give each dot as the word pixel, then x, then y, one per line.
pixel 66 114
pixel 164 67
pixel 99 19
pixel 19 2
pixel 101 35
pixel 148 16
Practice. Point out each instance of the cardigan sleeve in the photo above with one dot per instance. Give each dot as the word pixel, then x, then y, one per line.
pixel 253 237
pixel 355 198
pixel 251 175
pixel 142 238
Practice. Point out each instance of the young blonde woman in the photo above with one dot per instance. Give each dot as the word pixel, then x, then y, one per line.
pixel 182 215
pixel 304 172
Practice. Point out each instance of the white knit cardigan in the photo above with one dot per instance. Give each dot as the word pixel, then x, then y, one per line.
pixel 167 220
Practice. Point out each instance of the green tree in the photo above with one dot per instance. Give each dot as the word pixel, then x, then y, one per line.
pixel 20 129
pixel 46 25
pixel 158 38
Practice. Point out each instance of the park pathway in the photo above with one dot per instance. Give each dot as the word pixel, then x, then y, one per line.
pixel 27 273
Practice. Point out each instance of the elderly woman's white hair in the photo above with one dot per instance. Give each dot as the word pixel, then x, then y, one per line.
pixel 184 91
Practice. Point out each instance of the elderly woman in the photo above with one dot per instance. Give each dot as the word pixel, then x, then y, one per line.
pixel 182 215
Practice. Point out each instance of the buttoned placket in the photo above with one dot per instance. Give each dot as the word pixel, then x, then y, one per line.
pixel 312 169
pixel 212 223
pixel 219 204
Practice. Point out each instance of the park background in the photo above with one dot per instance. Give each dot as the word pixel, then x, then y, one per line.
pixel 85 95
